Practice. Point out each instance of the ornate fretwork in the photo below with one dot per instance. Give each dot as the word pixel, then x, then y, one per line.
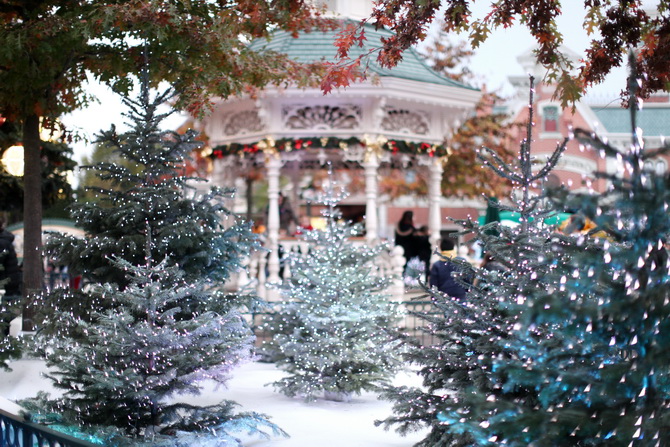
pixel 405 121
pixel 345 116
pixel 242 122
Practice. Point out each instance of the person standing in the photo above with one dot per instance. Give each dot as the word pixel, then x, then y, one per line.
pixel 10 274
pixel 423 248
pixel 286 216
pixel 442 273
pixel 405 236
pixel 10 277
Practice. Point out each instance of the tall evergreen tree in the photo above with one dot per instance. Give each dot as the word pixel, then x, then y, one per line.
pixel 584 362
pixel 471 334
pixel 192 229
pixel 89 180
pixel 333 331
pixel 601 371
pixel 152 322
pixel 123 382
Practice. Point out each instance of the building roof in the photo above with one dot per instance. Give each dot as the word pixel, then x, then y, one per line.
pixel 315 46
pixel 655 121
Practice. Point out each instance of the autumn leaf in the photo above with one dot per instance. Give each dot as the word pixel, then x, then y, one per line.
pixel 616 25
pixel 346 38
pixel 341 74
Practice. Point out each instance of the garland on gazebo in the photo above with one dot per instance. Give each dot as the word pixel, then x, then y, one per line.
pixel 271 146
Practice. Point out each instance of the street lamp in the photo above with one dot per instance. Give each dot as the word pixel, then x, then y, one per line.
pixel 12 160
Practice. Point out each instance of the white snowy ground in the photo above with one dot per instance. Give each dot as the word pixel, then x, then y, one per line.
pixel 318 424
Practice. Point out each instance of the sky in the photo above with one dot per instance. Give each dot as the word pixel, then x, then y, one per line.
pixel 494 61
pixel 99 116
pixel 496 58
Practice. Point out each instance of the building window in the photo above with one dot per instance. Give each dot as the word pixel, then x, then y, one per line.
pixel 550 118
pixel 657 166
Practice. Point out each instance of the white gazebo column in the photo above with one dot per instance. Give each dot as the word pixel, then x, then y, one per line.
pixel 383 215
pixel 435 171
pixel 371 164
pixel 273 166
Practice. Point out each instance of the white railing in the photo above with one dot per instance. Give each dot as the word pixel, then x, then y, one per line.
pixel 390 263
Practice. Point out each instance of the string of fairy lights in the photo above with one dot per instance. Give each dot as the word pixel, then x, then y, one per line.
pixel 333 333
pixel 564 344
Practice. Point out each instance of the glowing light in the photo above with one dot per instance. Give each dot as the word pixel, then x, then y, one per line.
pixel 12 160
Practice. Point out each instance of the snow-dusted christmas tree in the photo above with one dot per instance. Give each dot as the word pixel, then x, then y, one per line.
pixel 600 369
pixel 123 383
pixel 472 333
pixel 583 360
pixel 191 228
pixel 152 323
pixel 333 333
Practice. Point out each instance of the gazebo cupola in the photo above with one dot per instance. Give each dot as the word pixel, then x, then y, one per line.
pixel 398 117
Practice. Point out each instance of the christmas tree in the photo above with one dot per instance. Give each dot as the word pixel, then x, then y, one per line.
pixel 583 360
pixel 472 333
pixel 123 383
pixel 190 227
pixel 153 321
pixel 333 332
pixel 594 344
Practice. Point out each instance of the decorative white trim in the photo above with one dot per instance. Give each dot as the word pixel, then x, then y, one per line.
pixel 351 9
pixel 443 96
pixel 321 117
pixel 551 136
pixel 444 107
pixel 405 121
pixel 242 123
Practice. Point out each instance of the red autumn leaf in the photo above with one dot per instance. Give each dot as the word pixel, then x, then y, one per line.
pixel 346 38
pixel 341 75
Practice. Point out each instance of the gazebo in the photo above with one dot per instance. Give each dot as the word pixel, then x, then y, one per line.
pixel 396 118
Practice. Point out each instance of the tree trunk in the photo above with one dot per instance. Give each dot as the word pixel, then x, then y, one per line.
pixel 32 218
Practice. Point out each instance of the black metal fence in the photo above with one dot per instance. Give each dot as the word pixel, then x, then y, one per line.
pixel 16 432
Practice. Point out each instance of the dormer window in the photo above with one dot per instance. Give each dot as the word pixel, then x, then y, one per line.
pixel 658 166
pixel 550 119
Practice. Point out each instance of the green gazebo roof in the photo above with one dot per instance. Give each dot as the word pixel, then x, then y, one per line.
pixel 655 121
pixel 315 46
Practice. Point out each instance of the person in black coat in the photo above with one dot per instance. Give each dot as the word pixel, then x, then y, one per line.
pixel 423 248
pixel 441 274
pixel 405 236
pixel 10 265
pixel 10 277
